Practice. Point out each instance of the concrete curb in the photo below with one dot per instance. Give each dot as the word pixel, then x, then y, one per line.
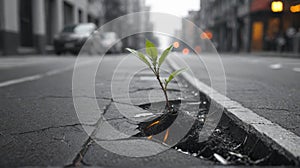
pixel 271 133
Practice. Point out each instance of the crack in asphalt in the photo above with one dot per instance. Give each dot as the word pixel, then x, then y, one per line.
pixel 117 118
pixel 57 97
pixel 152 88
pixel 70 97
pixel 294 128
pixel 47 128
pixel 79 157
pixel 124 103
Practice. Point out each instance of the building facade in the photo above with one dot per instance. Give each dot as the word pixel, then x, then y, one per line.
pixel 30 25
pixel 133 22
pixel 189 30
pixel 136 23
pixel 251 25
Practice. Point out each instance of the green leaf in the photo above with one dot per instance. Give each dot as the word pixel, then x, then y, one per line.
pixel 173 75
pixel 151 50
pixel 144 59
pixel 141 56
pixel 164 55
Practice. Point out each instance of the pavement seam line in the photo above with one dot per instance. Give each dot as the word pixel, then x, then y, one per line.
pixel 80 155
pixel 277 134
pixel 47 128
pixel 42 75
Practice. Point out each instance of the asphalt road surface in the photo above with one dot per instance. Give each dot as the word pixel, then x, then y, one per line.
pixel 39 125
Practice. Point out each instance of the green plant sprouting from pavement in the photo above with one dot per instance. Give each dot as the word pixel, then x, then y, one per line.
pixel 154 62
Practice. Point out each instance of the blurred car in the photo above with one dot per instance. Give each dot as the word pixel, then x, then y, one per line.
pixel 73 37
pixel 107 41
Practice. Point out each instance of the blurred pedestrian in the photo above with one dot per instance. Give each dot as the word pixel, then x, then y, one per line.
pixel 290 34
pixel 281 42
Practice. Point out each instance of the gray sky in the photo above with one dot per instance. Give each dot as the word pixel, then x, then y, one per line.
pixel 178 8
pixel 175 7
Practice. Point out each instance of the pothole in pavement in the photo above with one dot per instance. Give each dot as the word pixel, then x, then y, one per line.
pixel 227 145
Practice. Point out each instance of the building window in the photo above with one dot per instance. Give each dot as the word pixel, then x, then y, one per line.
pixel 257 36
pixel 68 14
pixel 90 19
pixel 80 16
pixel 26 25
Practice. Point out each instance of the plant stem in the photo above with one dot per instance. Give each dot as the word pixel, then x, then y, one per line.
pixel 165 92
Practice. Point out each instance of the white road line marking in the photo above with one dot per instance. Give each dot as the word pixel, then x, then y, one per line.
pixel 20 80
pixel 39 76
pixel 8 64
pixel 284 138
pixel 296 69
pixel 275 66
